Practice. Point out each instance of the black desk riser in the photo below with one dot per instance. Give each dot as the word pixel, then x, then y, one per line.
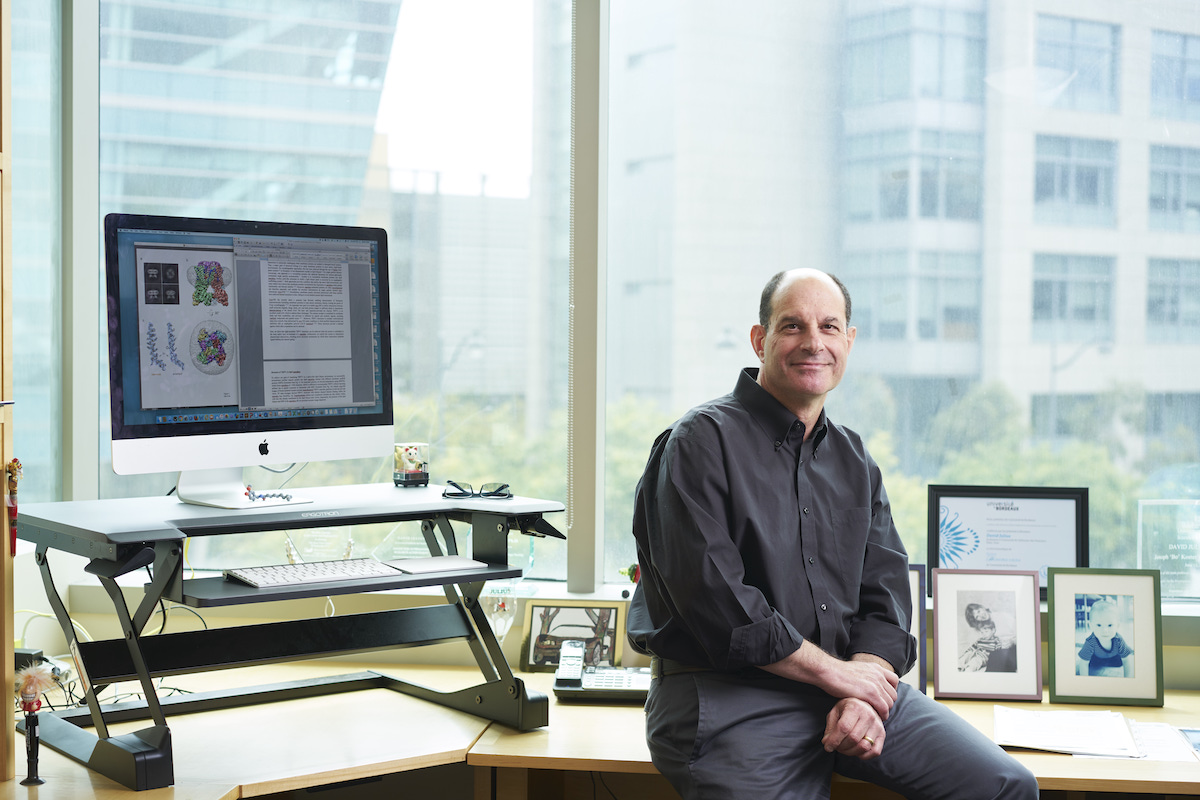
pixel 123 535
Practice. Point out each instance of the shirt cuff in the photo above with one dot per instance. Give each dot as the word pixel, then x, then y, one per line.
pixel 886 640
pixel 761 643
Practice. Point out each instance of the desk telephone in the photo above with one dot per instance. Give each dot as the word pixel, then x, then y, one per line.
pixel 575 681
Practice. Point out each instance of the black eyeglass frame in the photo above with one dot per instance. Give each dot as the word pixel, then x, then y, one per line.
pixel 488 491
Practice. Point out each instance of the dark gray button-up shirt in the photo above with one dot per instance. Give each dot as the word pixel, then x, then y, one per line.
pixel 751 540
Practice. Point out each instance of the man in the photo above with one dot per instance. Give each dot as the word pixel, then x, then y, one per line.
pixel 774 590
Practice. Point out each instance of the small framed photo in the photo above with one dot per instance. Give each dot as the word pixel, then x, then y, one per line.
pixel 987 634
pixel 599 624
pixel 1008 527
pixel 1106 636
pixel 915 677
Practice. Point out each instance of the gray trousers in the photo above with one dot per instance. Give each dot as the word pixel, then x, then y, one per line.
pixel 716 736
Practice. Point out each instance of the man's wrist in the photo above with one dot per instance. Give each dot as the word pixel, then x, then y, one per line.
pixel 874 659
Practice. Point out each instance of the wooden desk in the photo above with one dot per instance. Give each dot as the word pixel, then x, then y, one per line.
pixel 251 751
pixel 275 747
pixel 612 739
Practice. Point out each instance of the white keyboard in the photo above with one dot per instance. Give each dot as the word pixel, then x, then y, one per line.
pixel 312 572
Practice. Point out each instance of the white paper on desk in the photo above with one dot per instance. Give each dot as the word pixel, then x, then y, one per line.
pixel 1161 741
pixel 1096 733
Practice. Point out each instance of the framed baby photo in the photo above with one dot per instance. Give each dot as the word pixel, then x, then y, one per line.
pixel 1008 527
pixel 987 634
pixel 915 677
pixel 1105 636
pixel 599 624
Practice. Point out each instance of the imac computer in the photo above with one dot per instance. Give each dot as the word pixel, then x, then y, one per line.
pixel 235 343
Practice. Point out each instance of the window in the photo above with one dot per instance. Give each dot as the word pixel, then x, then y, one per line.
pixel 951 175
pixel 1173 424
pixel 36 231
pixel 948 296
pixel 1173 301
pixel 877 176
pixel 921 51
pixel 730 157
pixel 1079 61
pixel 881 294
pixel 1175 75
pixel 1074 181
pixel 1175 188
pixel 1072 297
pixel 375 112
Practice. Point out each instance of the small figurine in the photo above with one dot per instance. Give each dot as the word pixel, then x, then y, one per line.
pixel 31 683
pixel 411 464
pixel 13 470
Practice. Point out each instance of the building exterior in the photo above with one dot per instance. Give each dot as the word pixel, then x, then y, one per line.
pixel 1008 188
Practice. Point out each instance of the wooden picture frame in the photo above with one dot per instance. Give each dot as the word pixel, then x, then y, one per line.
pixel 1008 527
pixel 987 634
pixel 1123 603
pixel 600 624
pixel 915 677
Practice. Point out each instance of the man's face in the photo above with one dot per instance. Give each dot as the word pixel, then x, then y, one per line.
pixel 805 348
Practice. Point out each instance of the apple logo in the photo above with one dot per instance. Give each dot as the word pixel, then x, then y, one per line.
pixel 262 448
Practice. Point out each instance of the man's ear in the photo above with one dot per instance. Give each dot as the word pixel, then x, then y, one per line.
pixel 851 332
pixel 758 335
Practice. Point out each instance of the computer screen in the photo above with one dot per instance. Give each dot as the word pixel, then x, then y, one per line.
pixel 235 343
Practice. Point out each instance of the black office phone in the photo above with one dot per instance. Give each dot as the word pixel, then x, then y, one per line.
pixel 577 681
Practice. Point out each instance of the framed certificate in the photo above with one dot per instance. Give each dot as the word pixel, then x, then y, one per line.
pixel 1008 528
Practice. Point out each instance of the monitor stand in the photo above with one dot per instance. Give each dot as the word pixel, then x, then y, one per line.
pixel 224 488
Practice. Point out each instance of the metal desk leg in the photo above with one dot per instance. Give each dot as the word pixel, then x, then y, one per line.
pixel 139 760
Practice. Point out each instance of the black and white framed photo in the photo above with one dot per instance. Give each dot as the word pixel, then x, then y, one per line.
pixel 1008 527
pixel 1105 636
pixel 915 677
pixel 987 634
pixel 599 624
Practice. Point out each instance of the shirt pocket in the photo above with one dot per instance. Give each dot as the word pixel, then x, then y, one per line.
pixel 850 529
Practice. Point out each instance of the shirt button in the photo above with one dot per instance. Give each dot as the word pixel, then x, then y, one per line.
pixel 779 444
pixel 824 607
pixel 806 509
pixel 812 560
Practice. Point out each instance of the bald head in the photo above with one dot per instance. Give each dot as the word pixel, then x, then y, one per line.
pixel 780 280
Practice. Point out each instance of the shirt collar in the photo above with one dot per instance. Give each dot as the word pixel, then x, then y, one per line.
pixel 775 420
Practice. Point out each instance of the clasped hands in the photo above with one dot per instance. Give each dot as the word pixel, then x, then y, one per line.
pixel 866 688
pixel 854 726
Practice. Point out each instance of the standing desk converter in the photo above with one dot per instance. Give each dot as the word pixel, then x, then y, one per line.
pixel 124 535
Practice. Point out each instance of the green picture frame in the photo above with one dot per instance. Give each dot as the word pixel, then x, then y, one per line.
pixel 1111 604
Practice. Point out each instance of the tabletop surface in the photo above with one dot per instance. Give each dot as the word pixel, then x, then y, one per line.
pixel 220 755
pixel 149 519
pixel 277 747
pixel 571 742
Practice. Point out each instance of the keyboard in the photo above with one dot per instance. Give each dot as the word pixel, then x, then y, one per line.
pixel 607 684
pixel 350 569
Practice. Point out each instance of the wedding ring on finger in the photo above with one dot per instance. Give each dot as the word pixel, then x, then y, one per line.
pixel 869 740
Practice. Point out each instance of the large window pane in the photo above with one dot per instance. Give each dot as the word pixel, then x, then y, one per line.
pixel 36 231
pixel 390 114
pixel 988 320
